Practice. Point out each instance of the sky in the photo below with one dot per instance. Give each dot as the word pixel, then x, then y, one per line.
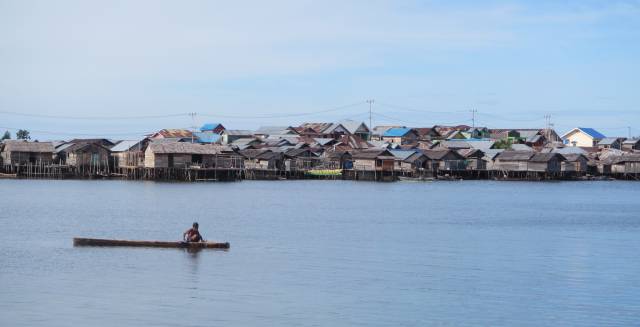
pixel 121 69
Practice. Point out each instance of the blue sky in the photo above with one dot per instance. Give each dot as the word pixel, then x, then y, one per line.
pixel 252 63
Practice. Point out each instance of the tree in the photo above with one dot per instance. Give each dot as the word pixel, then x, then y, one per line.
pixel 503 144
pixel 6 136
pixel 23 134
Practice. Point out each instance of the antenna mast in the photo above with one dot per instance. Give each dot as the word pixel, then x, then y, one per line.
pixel 193 124
pixel 473 117
pixel 370 102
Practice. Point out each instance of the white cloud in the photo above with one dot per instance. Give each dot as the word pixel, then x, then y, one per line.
pixel 72 56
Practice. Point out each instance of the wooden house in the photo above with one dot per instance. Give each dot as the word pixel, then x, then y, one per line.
pixel 17 152
pixel 489 158
pixel 546 162
pixel 356 128
pixel 522 161
pixel 400 136
pixel 188 155
pixel 626 164
pixel 300 159
pixel 611 143
pixel 379 160
pixel 475 158
pixel 575 163
pixel 631 145
pixel 513 160
pixel 444 159
pixel 83 154
pixel 416 162
pixel 337 160
pixel 265 159
pixel 129 153
pixel 401 156
pixel 535 141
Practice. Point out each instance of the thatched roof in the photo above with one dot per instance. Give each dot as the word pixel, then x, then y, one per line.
pixel 299 153
pixel 186 148
pixel 627 158
pixel 24 146
pixel 253 153
pixel 440 154
pixel 546 157
pixel 515 155
pixel 573 157
pixel 373 154
pixel 83 147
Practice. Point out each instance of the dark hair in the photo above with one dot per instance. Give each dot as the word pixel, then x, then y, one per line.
pixel 195 225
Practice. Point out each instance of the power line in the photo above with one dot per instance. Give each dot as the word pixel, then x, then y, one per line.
pixel 91 117
pixel 508 119
pixel 355 116
pixel 404 108
pixel 187 114
pixel 309 113
pixel 77 134
pixel 414 123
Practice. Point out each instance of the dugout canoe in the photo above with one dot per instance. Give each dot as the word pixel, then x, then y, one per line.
pixel 78 241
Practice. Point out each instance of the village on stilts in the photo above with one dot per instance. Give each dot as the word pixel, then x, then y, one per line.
pixel 348 150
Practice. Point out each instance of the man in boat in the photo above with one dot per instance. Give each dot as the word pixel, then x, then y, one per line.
pixel 192 234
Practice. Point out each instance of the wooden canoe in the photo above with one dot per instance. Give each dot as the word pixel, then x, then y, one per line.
pixel 155 244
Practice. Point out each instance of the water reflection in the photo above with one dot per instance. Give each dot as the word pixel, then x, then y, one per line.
pixel 441 254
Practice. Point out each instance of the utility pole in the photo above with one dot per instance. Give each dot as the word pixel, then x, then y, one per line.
pixel 629 131
pixel 370 102
pixel 473 117
pixel 547 126
pixel 193 124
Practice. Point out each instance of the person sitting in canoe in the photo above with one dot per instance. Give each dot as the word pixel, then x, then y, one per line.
pixel 192 234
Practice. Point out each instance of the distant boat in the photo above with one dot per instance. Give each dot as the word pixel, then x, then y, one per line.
pixel 155 244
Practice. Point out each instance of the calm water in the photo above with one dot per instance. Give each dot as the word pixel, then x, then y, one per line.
pixel 322 253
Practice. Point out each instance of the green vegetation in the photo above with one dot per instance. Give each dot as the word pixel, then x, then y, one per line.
pixel 23 134
pixel 6 136
pixel 503 144
pixel 325 172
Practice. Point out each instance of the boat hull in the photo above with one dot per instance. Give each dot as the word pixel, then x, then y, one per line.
pixel 154 244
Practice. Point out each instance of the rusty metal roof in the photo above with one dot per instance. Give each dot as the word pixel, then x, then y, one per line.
pixel 187 148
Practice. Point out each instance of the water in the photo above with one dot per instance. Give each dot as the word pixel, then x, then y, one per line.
pixel 325 253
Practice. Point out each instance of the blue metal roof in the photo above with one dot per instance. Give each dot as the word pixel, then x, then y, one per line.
pixel 592 132
pixel 396 132
pixel 206 137
pixel 209 126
